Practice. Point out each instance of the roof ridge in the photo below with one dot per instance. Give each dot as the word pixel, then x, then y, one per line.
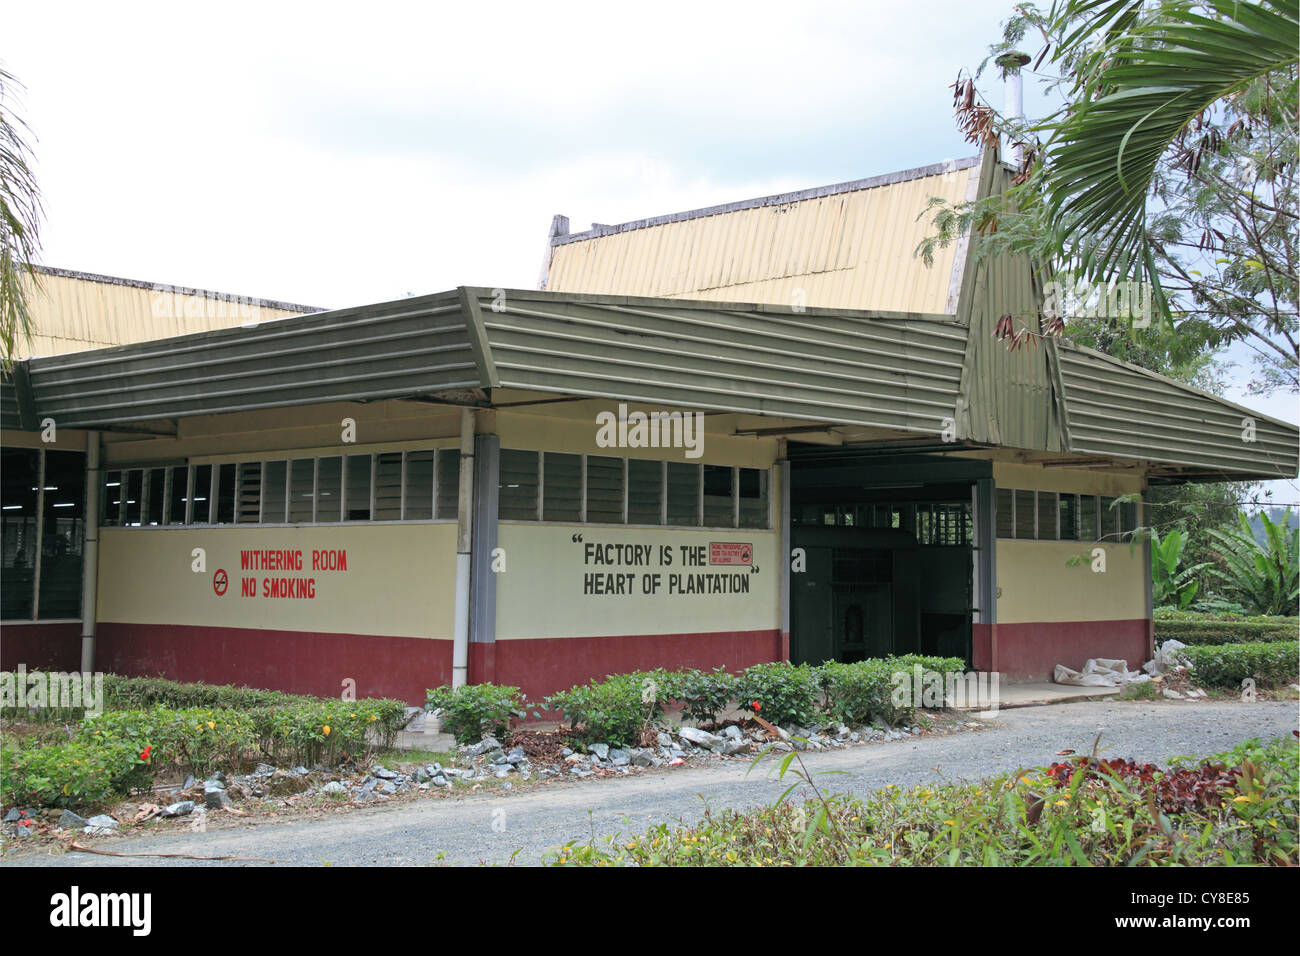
pixel 777 199
pixel 179 289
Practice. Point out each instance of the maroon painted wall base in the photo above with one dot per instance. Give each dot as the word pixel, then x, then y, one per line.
pixel 293 661
pixel 382 666
pixel 47 647
pixel 542 666
pixel 1032 651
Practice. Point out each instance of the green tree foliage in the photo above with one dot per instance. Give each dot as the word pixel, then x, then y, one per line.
pixel 1172 584
pixel 20 216
pixel 1264 578
pixel 1170 163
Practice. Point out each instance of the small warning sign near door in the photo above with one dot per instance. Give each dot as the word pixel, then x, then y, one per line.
pixel 731 552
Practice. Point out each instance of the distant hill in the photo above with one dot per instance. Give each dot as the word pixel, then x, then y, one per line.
pixel 1278 516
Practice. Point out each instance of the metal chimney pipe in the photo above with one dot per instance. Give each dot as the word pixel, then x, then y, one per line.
pixel 1013 92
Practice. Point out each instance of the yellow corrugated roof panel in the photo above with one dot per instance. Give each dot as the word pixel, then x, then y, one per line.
pixel 844 246
pixel 77 311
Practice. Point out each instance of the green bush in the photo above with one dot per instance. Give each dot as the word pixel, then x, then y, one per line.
pixel 858 693
pixel 614 710
pixel 703 696
pixel 1227 665
pixel 1225 629
pixel 784 693
pixel 77 774
pixel 327 732
pixel 473 710
pixel 142 693
pixel 1230 809
pixel 198 740
pixel 863 691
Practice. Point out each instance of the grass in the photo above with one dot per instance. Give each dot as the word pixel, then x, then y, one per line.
pixel 416 758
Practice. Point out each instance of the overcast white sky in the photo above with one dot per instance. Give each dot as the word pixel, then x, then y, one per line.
pixel 338 154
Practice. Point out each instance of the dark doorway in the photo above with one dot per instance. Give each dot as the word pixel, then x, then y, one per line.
pixel 888 568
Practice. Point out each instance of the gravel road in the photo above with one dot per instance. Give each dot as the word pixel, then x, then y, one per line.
pixel 491 827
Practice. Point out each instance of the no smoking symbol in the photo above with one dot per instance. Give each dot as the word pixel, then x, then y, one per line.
pixel 220 582
pixel 744 556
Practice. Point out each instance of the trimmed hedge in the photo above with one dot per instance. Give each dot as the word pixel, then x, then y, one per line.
pixel 863 692
pixel 782 693
pixel 120 749
pixel 135 695
pixel 1205 629
pixel 78 773
pixel 199 740
pixel 1227 665
pixel 614 710
pixel 703 696
pixel 141 693
pixel 619 708
pixel 473 710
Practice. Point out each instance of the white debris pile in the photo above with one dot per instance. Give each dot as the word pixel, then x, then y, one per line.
pixel 1166 659
pixel 1099 672
pixel 1109 672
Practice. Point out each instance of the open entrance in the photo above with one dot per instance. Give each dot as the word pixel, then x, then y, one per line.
pixel 889 547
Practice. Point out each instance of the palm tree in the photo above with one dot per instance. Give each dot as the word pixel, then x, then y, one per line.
pixel 20 215
pixel 1143 75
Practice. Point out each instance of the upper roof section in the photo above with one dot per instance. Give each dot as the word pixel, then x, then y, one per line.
pixel 77 311
pixel 856 375
pixel 846 246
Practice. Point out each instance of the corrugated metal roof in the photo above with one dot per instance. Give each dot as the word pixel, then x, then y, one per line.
pixel 889 371
pixel 880 369
pixel 409 347
pixel 76 311
pixel 847 246
pixel 1121 410
pixel 1008 396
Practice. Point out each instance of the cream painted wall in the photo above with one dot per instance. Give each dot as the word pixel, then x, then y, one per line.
pixel 574 435
pixel 541 595
pixel 1035 584
pixel 399 581
pixel 65 440
pixel 1077 481
pixel 291 432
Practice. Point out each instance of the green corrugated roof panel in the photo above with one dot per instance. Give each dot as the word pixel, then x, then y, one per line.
pixel 881 369
pixel 1119 410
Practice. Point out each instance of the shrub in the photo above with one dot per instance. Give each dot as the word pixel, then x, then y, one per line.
pixel 784 693
pixel 614 710
pixel 703 695
pixel 1227 665
pixel 857 693
pixel 1264 577
pixel 473 710
pixel 199 740
pixel 1225 629
pixel 327 732
pixel 863 691
pixel 142 693
pixel 1232 809
pixel 79 773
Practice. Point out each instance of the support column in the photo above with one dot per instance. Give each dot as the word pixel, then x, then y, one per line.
pixel 90 553
pixel 483 599
pixel 985 572
pixel 464 538
pixel 783 536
